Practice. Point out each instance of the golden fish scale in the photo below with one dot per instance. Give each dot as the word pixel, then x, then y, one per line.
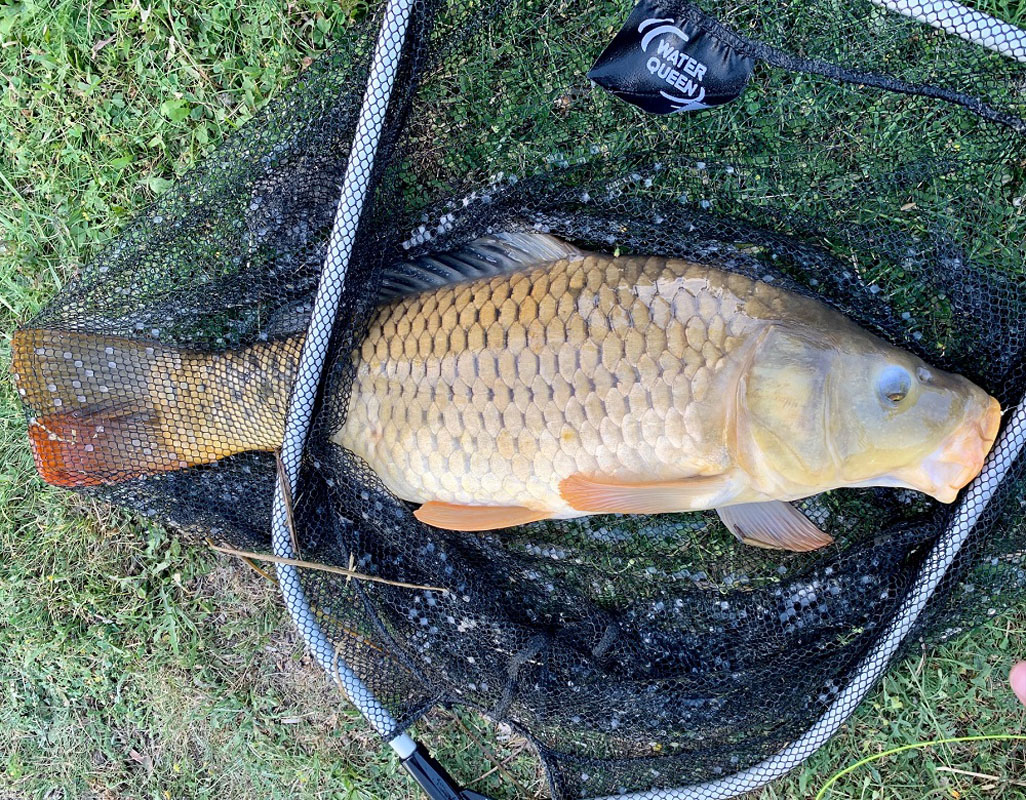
pixel 492 392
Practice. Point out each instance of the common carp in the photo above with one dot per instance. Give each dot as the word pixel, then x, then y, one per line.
pixel 522 379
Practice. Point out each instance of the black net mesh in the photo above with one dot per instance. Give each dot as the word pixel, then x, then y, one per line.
pixel 872 162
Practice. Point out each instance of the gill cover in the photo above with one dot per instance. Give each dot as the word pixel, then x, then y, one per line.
pixel 781 407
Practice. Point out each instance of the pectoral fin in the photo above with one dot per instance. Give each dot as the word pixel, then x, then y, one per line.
pixel 476 518
pixel 657 497
pixel 773 524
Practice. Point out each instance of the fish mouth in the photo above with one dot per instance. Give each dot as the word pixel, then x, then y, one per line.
pixel 959 458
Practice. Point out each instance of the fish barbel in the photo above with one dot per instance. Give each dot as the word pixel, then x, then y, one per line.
pixel 522 379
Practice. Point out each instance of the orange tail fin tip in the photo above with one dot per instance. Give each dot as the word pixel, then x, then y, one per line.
pixel 77 449
pixel 111 408
pixel 82 443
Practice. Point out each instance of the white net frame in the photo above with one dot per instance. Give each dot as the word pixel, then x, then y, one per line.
pixel 945 15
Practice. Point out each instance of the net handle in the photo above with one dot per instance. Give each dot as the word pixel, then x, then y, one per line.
pixel 355 185
pixel 966 23
pixel 388 50
pixel 874 664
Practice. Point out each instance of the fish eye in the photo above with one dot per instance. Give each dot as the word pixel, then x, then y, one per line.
pixel 894 384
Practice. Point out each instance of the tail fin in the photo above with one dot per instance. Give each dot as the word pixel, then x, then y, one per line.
pixel 107 409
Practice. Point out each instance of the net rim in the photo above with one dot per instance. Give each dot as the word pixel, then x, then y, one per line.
pixel 975 500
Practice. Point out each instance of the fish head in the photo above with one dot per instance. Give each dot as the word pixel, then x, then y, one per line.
pixel 912 425
pixel 845 408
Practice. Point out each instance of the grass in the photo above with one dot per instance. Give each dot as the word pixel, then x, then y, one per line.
pixel 136 666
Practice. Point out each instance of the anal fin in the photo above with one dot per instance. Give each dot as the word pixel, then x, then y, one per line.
pixel 775 525
pixel 454 517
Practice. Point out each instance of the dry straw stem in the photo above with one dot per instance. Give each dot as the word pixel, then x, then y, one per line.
pixel 249 562
pixel 497 763
pixel 286 491
pixel 295 562
pixel 997 737
pixel 996 779
pixel 338 624
pixel 337 656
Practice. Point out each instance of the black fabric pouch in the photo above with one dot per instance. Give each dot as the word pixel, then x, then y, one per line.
pixel 663 62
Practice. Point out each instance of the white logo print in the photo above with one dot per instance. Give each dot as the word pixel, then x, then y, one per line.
pixel 672 65
pixel 665 28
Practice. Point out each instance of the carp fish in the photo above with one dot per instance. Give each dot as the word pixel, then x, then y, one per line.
pixel 522 379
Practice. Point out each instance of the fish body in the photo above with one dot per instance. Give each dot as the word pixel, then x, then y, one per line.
pixel 524 379
pixel 597 383
pixel 495 392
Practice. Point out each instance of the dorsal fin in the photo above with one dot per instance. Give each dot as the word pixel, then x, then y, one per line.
pixel 495 254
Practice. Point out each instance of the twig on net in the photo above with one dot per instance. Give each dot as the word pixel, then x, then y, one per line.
pixel 295 562
pixel 249 562
pixel 286 491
